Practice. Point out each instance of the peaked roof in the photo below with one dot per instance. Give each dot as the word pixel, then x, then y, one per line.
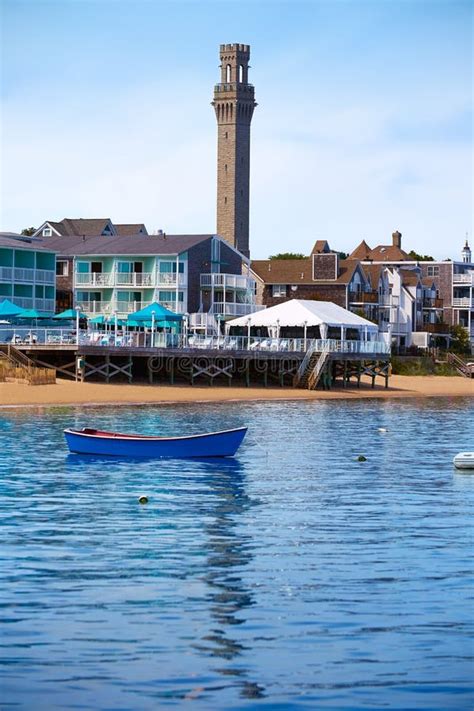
pixel 80 226
pixel 320 246
pixel 388 253
pixel 299 271
pixel 139 244
pixel 157 311
pixel 296 312
pixel 16 241
pixel 132 229
pixel 362 251
pixel 410 277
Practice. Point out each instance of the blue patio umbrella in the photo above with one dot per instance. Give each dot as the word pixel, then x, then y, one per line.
pixel 69 314
pixel 33 313
pixel 159 312
pixel 7 308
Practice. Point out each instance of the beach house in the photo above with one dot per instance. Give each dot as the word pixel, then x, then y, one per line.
pixel 27 272
pixel 201 275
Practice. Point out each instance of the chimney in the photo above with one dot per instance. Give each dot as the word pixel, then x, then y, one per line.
pixel 397 239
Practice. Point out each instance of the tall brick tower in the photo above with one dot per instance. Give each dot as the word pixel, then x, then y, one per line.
pixel 234 103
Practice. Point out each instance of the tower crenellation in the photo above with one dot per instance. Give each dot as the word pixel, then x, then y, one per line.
pixel 234 104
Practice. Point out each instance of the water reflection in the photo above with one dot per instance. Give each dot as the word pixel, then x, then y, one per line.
pixel 229 551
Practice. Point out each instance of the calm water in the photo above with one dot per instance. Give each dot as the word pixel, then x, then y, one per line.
pixel 291 577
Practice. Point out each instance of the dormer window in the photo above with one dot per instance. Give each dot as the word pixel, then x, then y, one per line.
pixel 47 232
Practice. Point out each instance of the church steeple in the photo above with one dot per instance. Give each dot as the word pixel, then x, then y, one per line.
pixel 234 103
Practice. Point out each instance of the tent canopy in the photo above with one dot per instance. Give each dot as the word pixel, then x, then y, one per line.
pixel 159 312
pixel 33 313
pixel 7 308
pixel 69 313
pixel 300 313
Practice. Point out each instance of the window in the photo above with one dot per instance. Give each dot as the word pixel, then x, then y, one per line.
pixel 228 74
pixel 433 271
pixel 62 267
pixel 241 73
pixel 169 296
pixel 279 290
pixel 47 232
pixel 170 267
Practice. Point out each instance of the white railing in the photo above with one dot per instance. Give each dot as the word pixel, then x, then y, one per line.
pixel 230 308
pixel 227 281
pixel 463 303
pixel 463 278
pixel 93 279
pixel 134 279
pixel 46 276
pixel 93 308
pixel 288 344
pixel 169 279
pixel 6 273
pixel 23 274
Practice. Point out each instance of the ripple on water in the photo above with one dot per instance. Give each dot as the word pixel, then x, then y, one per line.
pixel 293 576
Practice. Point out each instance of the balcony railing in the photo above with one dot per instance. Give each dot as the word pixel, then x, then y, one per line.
pixel 434 327
pixel 363 297
pixel 227 281
pixel 234 309
pixel 464 278
pixel 20 274
pixel 170 279
pixel 93 308
pixel 134 279
pixel 46 276
pixel 6 273
pixel 45 305
pixel 463 303
pixel 93 279
pixel 23 302
pixel 432 303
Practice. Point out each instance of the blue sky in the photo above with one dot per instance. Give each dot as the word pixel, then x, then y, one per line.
pixel 364 122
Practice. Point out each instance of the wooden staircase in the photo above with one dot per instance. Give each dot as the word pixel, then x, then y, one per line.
pixel 16 365
pixel 311 369
pixel 461 366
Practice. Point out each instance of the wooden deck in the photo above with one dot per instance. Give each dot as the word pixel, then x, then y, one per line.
pixel 171 365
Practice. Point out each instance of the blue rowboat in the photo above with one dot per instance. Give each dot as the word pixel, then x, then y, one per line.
pixel 116 444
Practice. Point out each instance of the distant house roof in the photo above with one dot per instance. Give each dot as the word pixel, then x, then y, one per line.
pixel 410 277
pixel 13 240
pixel 388 253
pixel 361 252
pixel 136 229
pixel 320 246
pixel 73 246
pixel 298 271
pixel 373 272
pixel 80 226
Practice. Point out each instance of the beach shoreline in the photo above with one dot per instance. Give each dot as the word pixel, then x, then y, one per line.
pixel 96 394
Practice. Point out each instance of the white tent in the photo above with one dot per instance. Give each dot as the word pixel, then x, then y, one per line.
pixel 304 314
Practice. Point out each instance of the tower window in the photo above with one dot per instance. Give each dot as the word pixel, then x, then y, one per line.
pixel 225 201
pixel 226 134
pixel 241 73
pixel 225 167
pixel 228 74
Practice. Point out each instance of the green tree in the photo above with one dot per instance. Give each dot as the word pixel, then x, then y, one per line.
pixel 342 255
pixel 420 257
pixel 28 231
pixel 460 342
pixel 287 255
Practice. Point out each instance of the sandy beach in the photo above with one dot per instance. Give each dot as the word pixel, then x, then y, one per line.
pixel 71 393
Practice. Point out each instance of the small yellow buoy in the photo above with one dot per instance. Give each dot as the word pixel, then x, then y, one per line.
pixel 143 499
